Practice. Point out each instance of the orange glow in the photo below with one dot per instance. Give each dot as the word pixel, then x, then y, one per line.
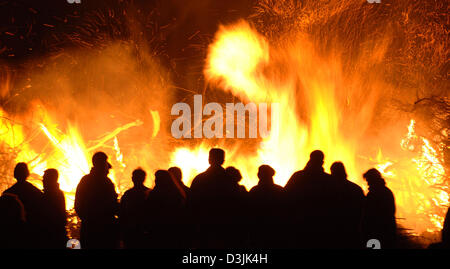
pixel 320 107
pixel 293 76
pixel 286 150
pixel 191 162
pixel 68 154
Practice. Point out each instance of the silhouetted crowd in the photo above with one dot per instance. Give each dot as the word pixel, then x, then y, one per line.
pixel 314 210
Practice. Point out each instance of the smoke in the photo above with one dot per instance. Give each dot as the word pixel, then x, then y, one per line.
pixel 401 44
pixel 106 76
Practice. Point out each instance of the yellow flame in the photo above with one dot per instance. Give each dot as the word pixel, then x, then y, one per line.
pixel 191 162
pixel 119 155
pixel 384 165
pixel 294 77
pixel 156 122
pixel 68 154
pixel 419 198
pixel 239 61
pixel 316 111
pixel 70 158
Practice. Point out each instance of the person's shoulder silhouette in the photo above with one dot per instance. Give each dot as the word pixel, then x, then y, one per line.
pixel 345 186
pixel 53 196
pixel 311 179
pixel 379 193
pixel 97 206
pixel 55 211
pixel 134 197
pixel 165 191
pixel 25 191
pixel 266 183
pixel 379 210
pixel 139 191
pixel 446 230
pixel 165 207
pixel 177 175
pixel 211 203
pixel 234 175
pixel 267 211
pixel 132 211
pixel 32 200
pixel 348 208
pixel 214 179
pixel 96 192
pixel 30 196
pixel 310 196
pixel 445 234
pixel 12 222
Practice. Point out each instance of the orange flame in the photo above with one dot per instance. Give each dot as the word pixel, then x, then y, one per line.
pixel 320 107
pixel 243 62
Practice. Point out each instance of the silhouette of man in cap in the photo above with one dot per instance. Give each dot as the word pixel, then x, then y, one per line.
pixel 96 205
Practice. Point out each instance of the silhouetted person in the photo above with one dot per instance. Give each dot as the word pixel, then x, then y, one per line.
pixel 446 230
pixel 445 234
pixel 13 234
pixel 132 211
pixel 55 211
pixel 178 176
pixel 187 224
pixel 379 211
pixel 211 192
pixel 267 211
pixel 32 200
pixel 238 236
pixel 235 176
pixel 349 208
pixel 164 212
pixel 96 205
pixel 311 197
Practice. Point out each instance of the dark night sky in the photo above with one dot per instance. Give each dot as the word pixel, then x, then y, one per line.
pixel 27 27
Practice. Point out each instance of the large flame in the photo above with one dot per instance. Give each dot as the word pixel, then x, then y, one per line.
pixel 67 153
pixel 297 80
pixel 317 111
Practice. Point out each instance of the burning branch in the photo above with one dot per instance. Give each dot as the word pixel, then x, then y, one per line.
pixel 111 135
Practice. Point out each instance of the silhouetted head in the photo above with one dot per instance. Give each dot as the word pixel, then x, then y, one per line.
pixel 374 178
pixel 265 174
pixel 338 170
pixel 100 162
pixel 163 179
pixel 317 156
pixel 234 174
pixel 216 157
pixel 176 173
pixel 138 177
pixel 315 161
pixel 21 172
pixel 50 179
pixel 99 158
